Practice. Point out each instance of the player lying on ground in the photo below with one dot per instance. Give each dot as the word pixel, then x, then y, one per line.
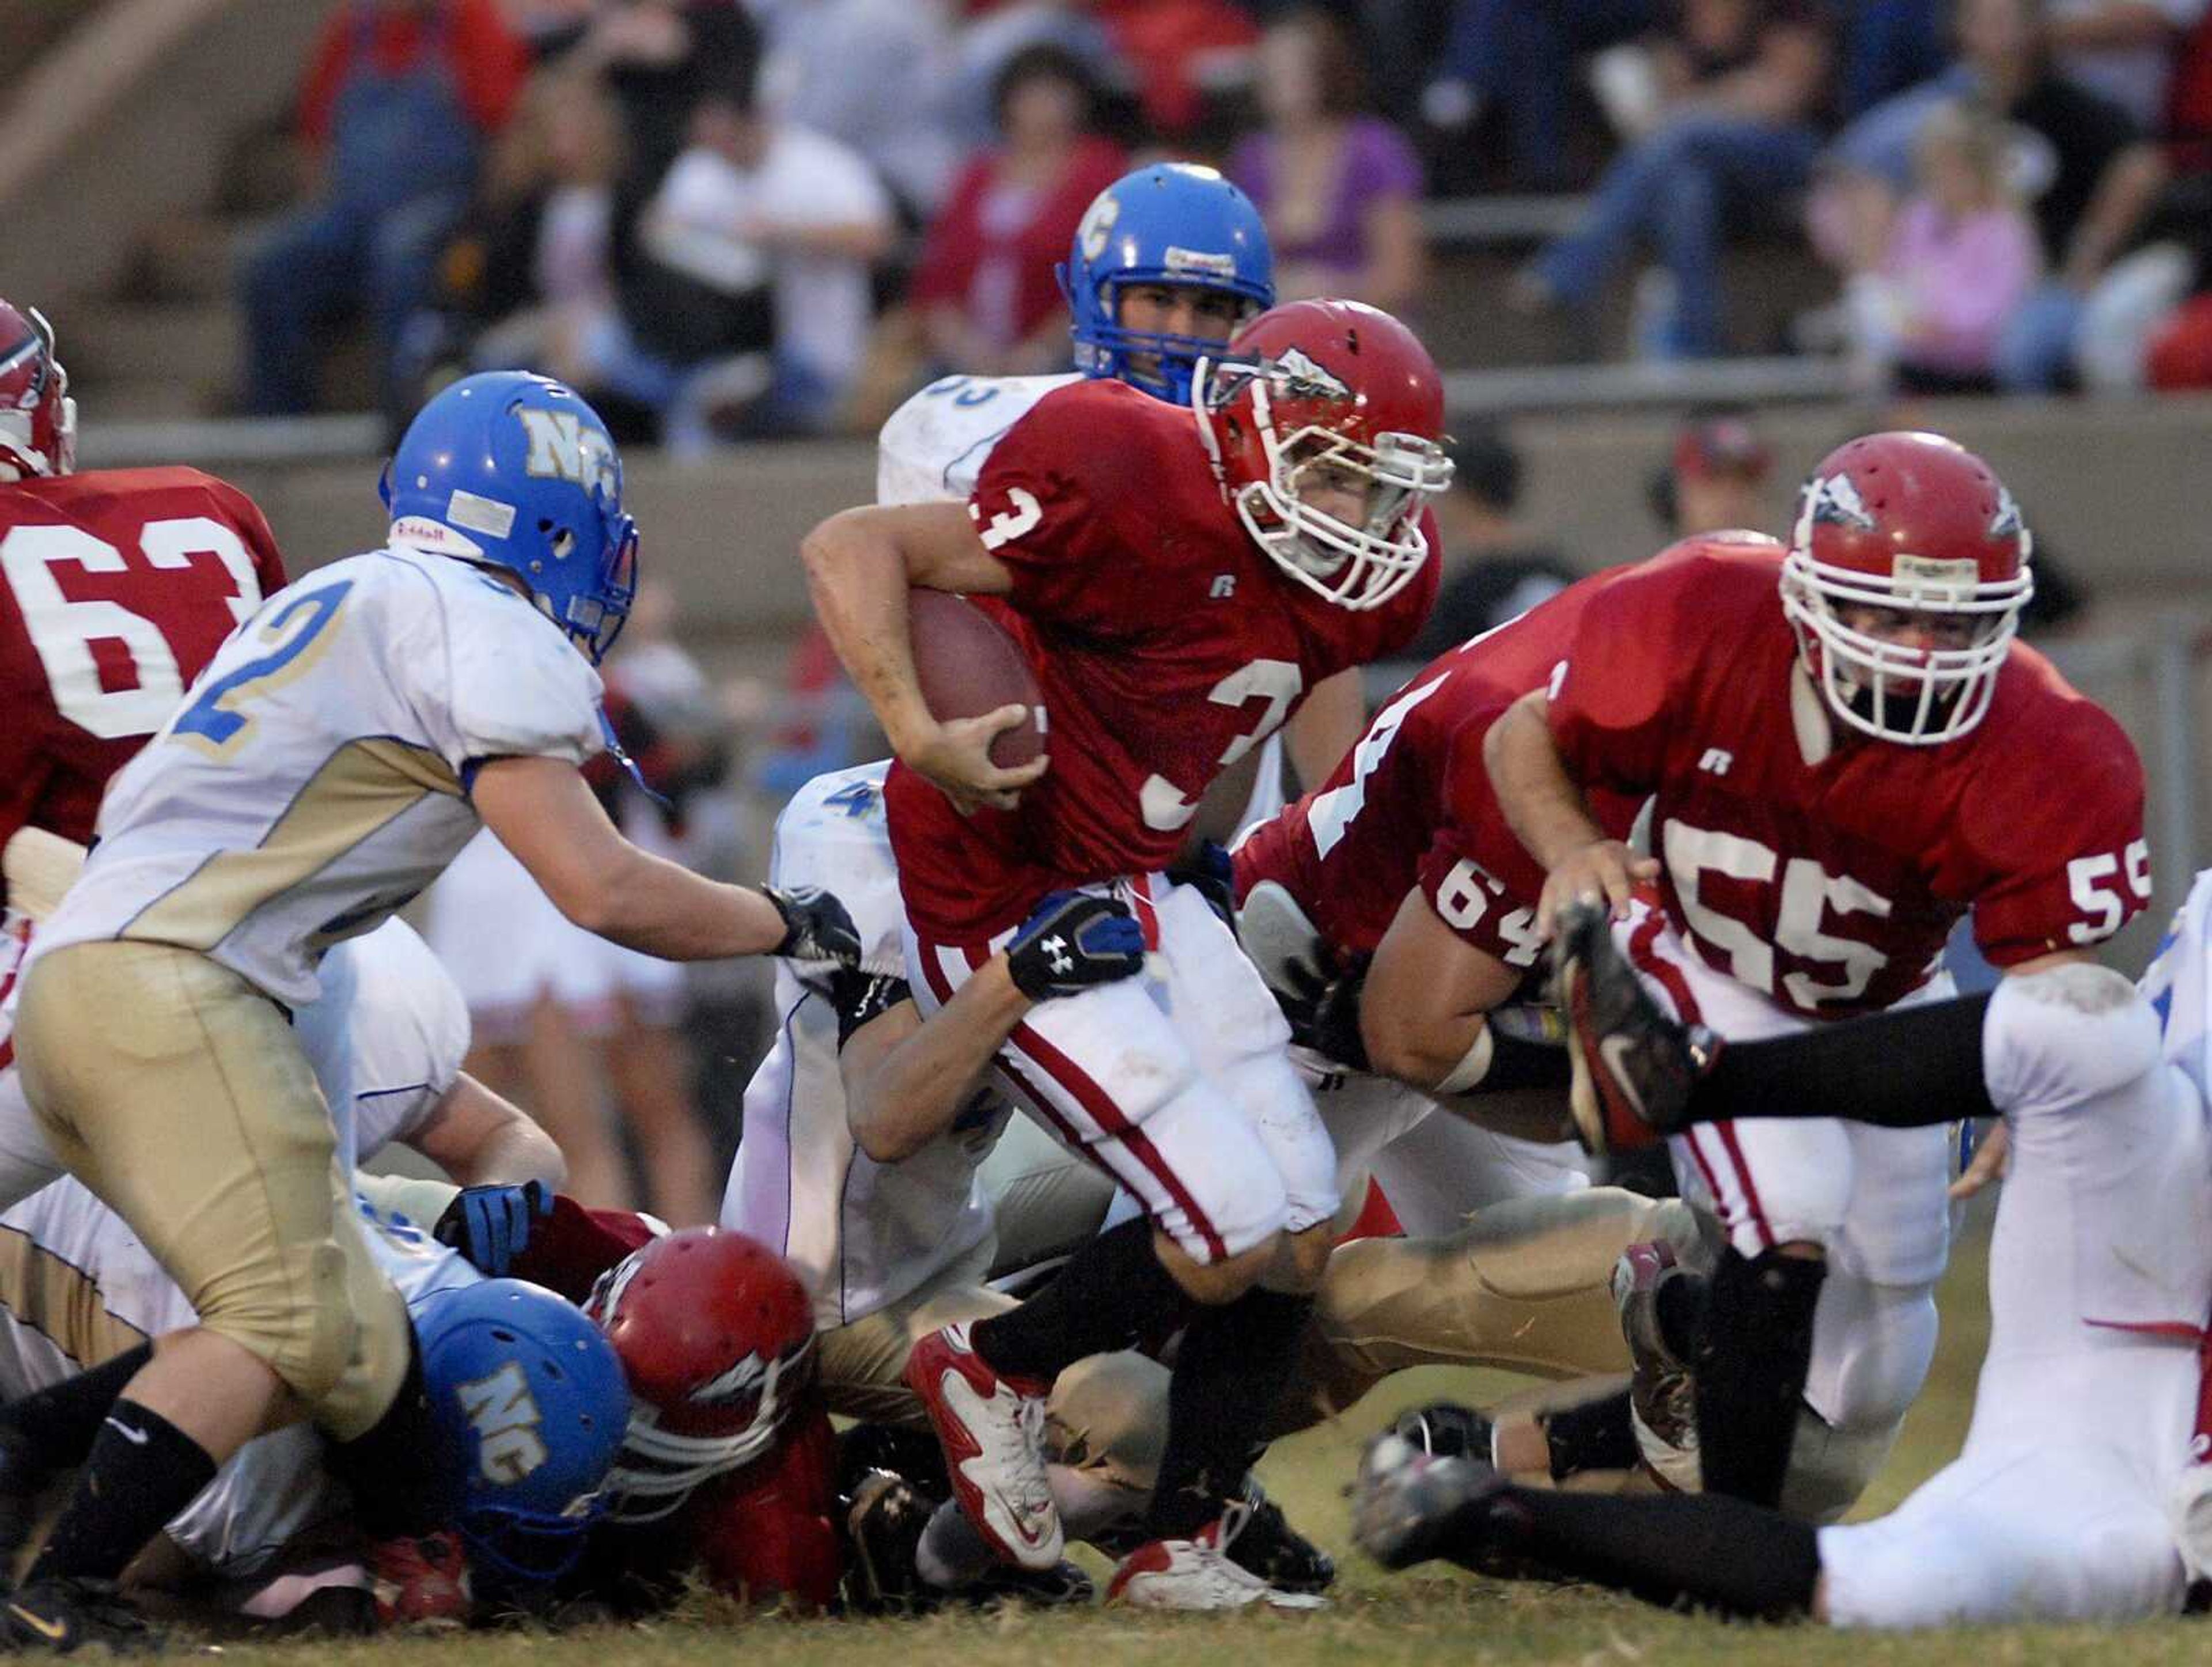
pixel 1847 750
pixel 2083 1491
pixel 332 758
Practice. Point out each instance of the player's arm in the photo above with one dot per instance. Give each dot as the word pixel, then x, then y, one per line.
pixel 859 566
pixel 481 1139
pixel 907 1079
pixel 1327 724
pixel 546 814
pixel 1549 813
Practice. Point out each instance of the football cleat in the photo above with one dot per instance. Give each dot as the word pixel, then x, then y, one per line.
pixel 1662 1392
pixel 1633 1066
pixel 1444 1429
pixel 23 1475
pixel 1053 1588
pixel 1199 1573
pixel 61 1614
pixel 1269 1546
pixel 992 1429
pixel 420 1580
pixel 1403 1505
pixel 883 1531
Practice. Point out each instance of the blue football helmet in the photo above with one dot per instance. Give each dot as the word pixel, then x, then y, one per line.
pixel 1173 222
pixel 514 471
pixel 529 1397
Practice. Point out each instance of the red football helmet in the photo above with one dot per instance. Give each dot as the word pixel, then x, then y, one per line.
pixel 1320 401
pixel 1919 530
pixel 716 1337
pixel 38 419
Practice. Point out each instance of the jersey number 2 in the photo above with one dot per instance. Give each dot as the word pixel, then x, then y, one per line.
pixel 209 717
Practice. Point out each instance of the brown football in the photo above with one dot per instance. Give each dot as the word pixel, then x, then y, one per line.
pixel 968 666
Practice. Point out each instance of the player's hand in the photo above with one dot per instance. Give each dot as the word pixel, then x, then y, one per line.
pixel 956 755
pixel 1073 941
pixel 1604 871
pixel 1991 1159
pixel 1209 871
pixel 816 925
pixel 1323 1004
pixel 490 1226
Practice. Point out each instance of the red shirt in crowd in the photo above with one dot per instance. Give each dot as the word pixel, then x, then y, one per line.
pixel 488 61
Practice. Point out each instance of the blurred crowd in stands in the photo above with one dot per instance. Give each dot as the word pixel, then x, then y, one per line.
pixel 728 219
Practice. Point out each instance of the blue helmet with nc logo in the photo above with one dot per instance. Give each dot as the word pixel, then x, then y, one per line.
pixel 1173 222
pixel 514 471
pixel 529 1397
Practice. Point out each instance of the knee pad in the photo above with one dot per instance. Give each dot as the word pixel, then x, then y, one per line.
pixel 2057 1039
pixel 1108 1418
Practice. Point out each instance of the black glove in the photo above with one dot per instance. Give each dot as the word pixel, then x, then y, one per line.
pixel 1210 871
pixel 1324 1012
pixel 1072 941
pixel 816 925
pixel 490 1226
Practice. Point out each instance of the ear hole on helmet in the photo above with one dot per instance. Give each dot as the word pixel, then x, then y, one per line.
pixel 503 1336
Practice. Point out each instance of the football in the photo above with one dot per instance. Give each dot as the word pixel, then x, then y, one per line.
pixel 968 666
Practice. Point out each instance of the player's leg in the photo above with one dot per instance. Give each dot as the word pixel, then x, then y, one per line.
pixel 645 1059
pixel 1443 1170
pixel 180 1096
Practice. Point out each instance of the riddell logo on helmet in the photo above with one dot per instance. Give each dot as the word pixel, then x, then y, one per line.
pixel 1199 261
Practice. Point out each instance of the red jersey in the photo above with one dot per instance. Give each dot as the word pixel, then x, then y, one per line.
pixel 1410 806
pixel 116 587
pixel 1165 642
pixel 1823 868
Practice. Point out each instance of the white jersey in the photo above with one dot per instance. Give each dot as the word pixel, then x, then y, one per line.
pixel 861 1233
pixel 315 777
pixel 933 447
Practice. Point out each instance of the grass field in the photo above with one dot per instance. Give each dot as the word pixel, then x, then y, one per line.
pixel 1427 1617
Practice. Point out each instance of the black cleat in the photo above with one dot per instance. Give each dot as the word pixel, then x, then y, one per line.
pixel 883 1528
pixel 1444 1429
pixel 1633 1066
pixel 1406 1503
pixel 60 1613
pixel 1268 1545
pixel 1030 1588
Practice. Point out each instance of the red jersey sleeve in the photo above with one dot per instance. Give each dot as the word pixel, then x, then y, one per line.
pixel 1045 507
pixel 242 512
pixel 1616 697
pixel 569 1251
pixel 2058 840
pixel 1475 875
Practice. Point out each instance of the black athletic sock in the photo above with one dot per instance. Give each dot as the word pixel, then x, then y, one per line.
pixel 1901 1069
pixel 61 1420
pixel 1751 1365
pixel 400 1472
pixel 1596 1435
pixel 1702 1550
pixel 1516 1062
pixel 141 1470
pixel 1111 1290
pixel 1679 1303
pixel 1233 1366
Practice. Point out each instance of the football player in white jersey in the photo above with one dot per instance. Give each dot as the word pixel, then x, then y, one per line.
pixel 2084 1491
pixel 341 747
pixel 1168 261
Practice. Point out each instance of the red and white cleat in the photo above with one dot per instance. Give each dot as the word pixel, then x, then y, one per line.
pixel 992 1429
pixel 420 1581
pixel 1633 1066
pixel 1197 1574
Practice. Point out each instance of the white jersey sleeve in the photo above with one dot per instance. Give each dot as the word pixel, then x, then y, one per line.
pixel 932 448
pixel 316 777
pixel 2179 986
pixel 407 1036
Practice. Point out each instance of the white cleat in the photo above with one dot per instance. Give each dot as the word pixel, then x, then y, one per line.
pixel 992 1429
pixel 1198 1574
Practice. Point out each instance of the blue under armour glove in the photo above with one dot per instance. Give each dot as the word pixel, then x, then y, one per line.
pixel 1072 941
pixel 490 1226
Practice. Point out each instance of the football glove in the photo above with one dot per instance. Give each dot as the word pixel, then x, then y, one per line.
pixel 490 1226
pixel 1210 872
pixel 816 927
pixel 1322 1004
pixel 1073 941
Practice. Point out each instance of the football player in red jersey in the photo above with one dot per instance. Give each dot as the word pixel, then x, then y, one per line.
pixel 116 587
pixel 1177 580
pixel 1849 750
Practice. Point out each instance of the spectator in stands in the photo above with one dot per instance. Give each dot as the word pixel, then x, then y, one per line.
pixel 2123 50
pixel 751 305
pixel 1888 46
pixel 994 35
pixel 1961 260
pixel 1714 477
pixel 1340 190
pixel 1745 82
pixel 2090 179
pixel 984 292
pixel 873 74
pixel 1494 571
pixel 399 99
pixel 1519 59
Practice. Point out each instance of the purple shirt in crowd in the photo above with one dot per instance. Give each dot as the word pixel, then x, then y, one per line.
pixel 1376 163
